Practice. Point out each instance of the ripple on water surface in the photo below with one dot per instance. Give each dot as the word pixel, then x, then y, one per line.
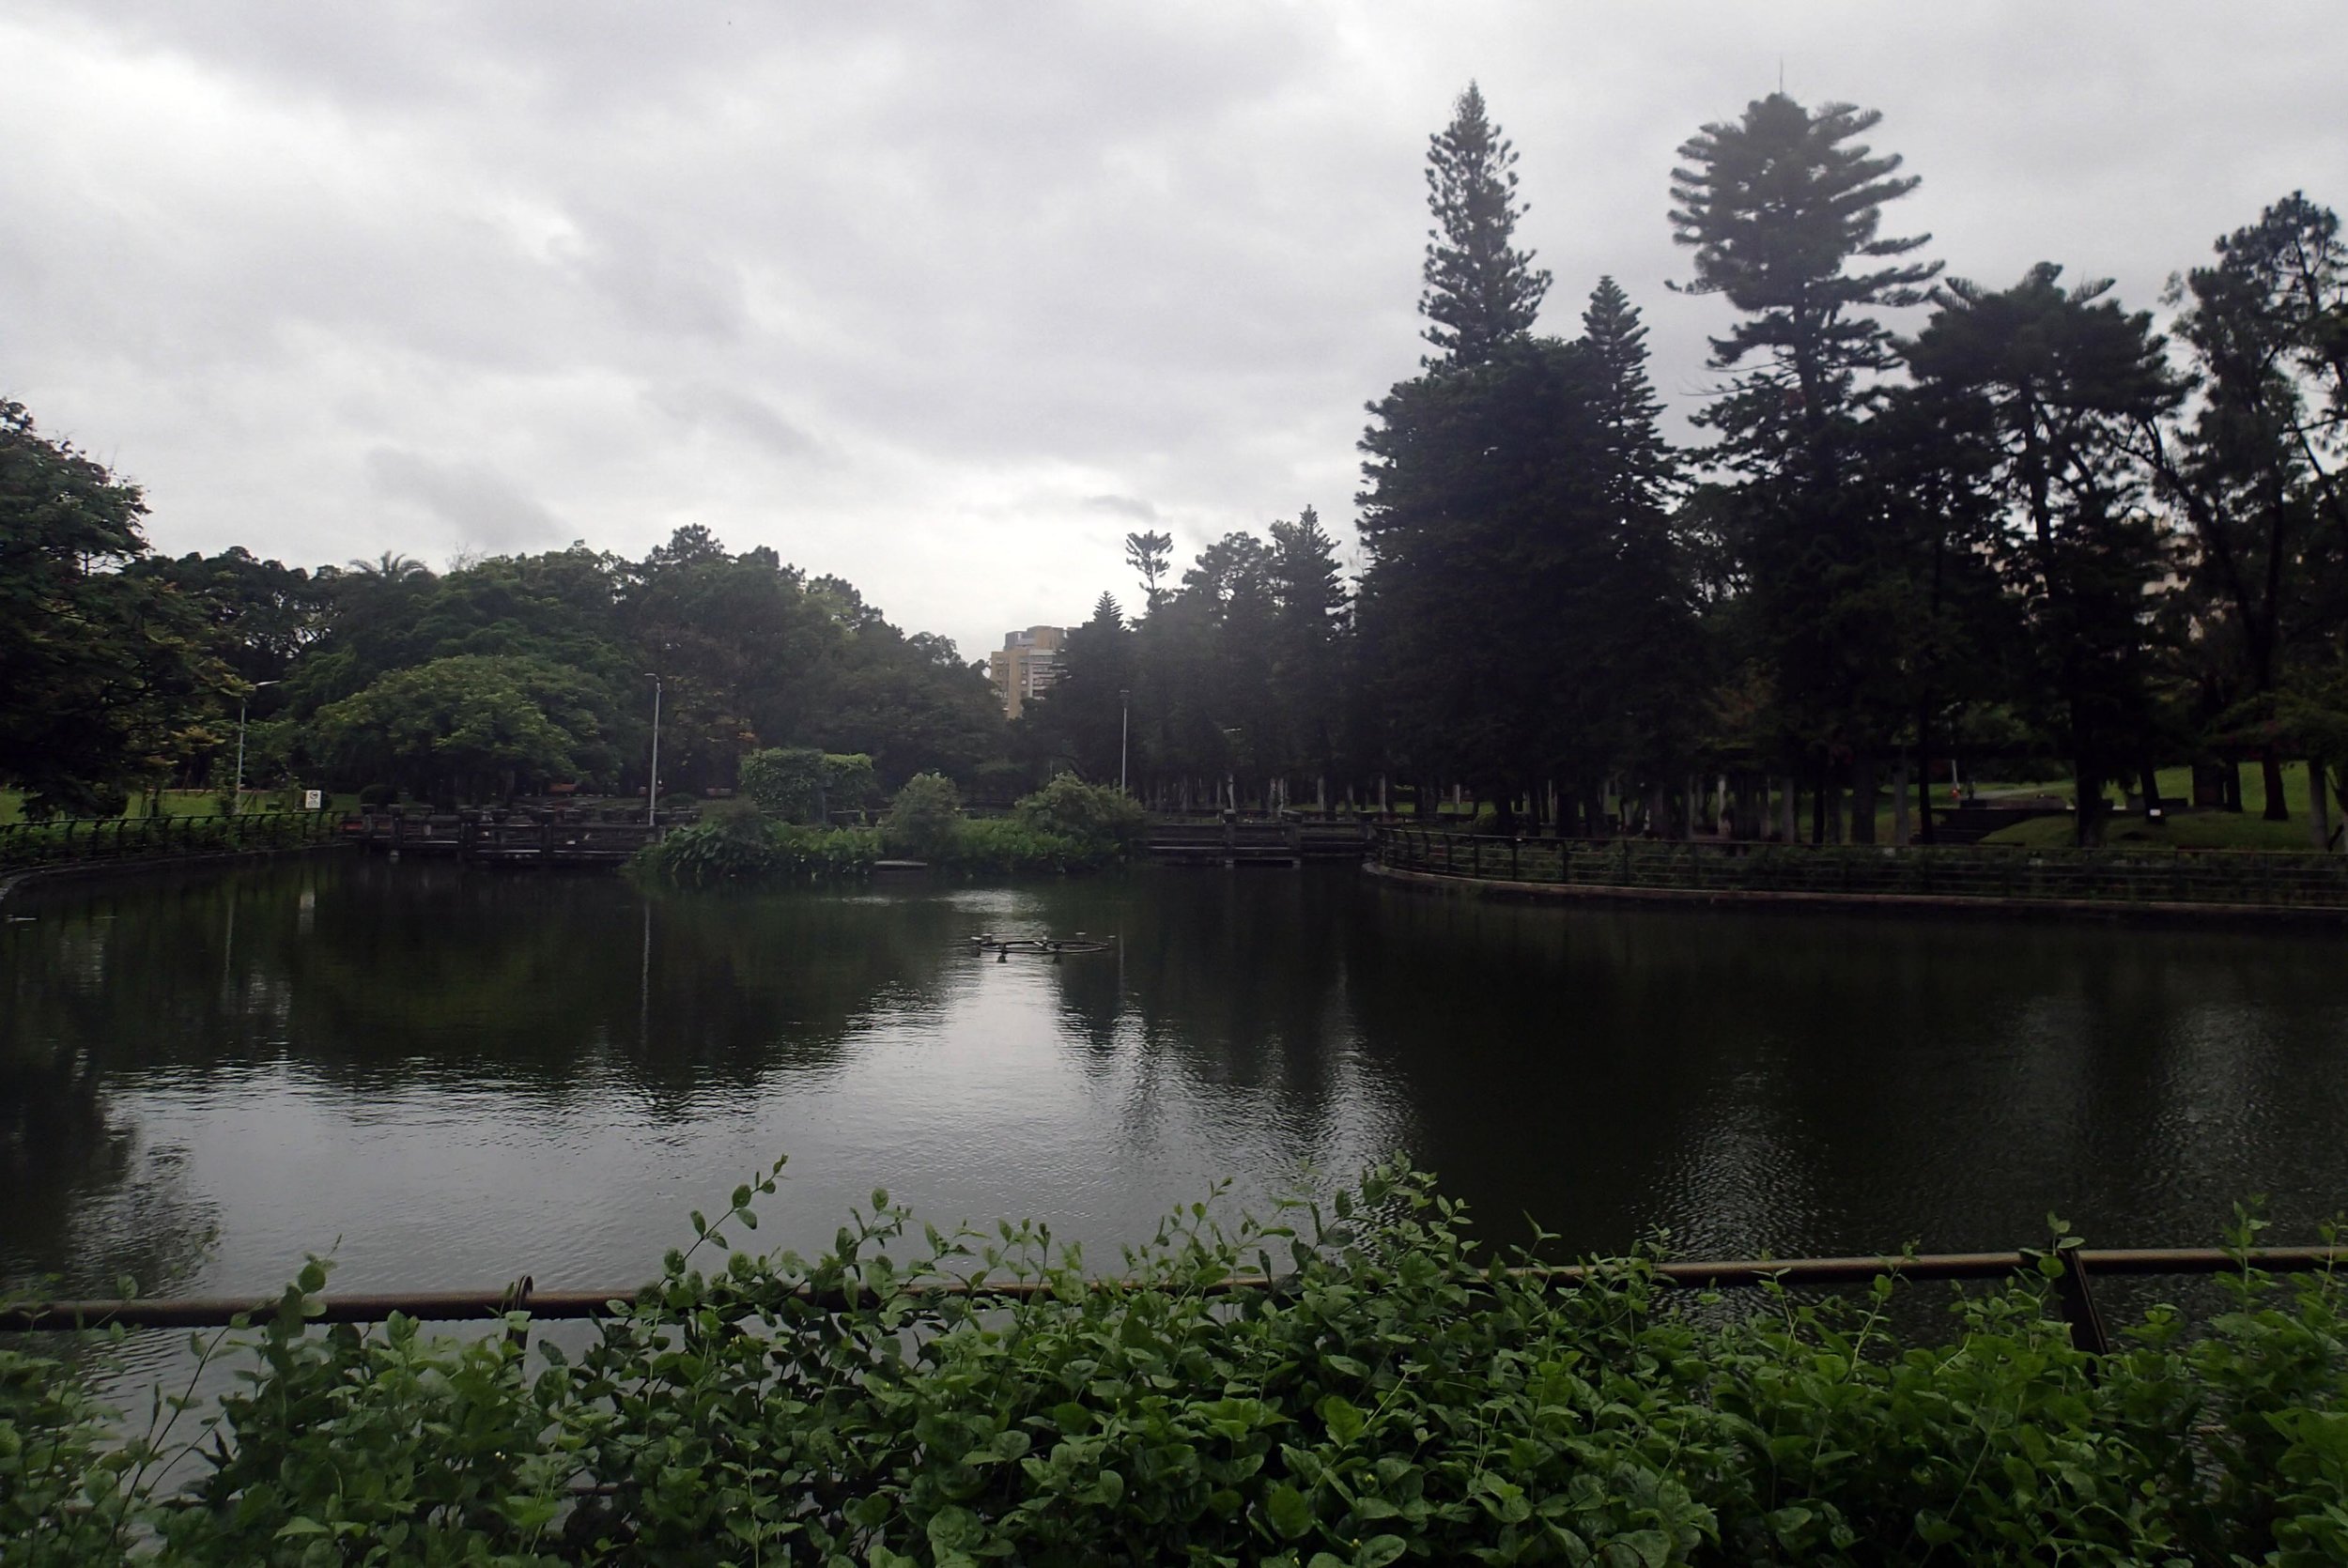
pixel 451 1078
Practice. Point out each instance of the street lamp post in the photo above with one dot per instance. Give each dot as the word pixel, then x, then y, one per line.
pixel 651 793
pixel 241 708
pixel 1125 728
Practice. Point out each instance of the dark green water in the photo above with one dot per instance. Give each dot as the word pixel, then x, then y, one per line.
pixel 452 1078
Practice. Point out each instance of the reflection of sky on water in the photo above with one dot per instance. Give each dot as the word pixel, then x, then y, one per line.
pixel 433 1153
pixel 451 1080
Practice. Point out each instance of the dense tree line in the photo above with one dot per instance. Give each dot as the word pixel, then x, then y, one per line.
pixel 127 671
pixel 2036 528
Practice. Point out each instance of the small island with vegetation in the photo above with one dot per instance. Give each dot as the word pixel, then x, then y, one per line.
pixel 765 836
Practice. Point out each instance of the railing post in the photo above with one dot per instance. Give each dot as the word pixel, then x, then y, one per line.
pixel 2078 1306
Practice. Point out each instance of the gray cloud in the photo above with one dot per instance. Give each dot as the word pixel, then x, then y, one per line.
pixel 737 414
pixel 484 508
pixel 1123 506
pixel 871 288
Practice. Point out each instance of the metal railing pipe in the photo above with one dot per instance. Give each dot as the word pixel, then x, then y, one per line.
pixel 1745 1273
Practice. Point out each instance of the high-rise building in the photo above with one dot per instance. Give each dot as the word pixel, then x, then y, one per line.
pixel 1026 664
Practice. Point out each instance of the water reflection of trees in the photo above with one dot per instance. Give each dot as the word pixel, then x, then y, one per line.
pixel 378 976
pixel 1234 979
pixel 1794 1083
pixel 1782 1083
pixel 374 979
pixel 83 1201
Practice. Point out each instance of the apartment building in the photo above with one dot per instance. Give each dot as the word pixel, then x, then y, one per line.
pixel 1026 664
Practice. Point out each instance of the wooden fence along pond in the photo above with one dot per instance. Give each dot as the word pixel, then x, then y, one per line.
pixel 2118 879
pixel 543 840
pixel 2133 878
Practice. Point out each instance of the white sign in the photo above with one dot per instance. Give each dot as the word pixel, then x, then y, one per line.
pixel 314 800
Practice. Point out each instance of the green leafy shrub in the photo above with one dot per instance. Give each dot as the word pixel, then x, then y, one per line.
pixel 922 819
pixel 1068 826
pixel 787 781
pixel 738 848
pixel 1399 1394
pixel 1072 809
pixel 1005 846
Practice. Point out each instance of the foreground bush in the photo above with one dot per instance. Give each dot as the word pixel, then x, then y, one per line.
pixel 1400 1397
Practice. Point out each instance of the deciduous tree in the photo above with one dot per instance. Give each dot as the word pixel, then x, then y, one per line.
pixel 106 676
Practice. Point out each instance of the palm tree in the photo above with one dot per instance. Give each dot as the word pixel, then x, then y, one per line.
pixel 391 566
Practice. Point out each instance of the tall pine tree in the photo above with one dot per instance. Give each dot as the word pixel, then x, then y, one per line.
pixel 1783 210
pixel 1481 290
pixel 1639 653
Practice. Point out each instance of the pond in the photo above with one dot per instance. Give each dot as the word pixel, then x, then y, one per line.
pixel 451 1078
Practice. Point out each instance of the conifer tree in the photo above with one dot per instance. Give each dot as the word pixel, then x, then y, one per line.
pixel 2045 386
pixel 1481 290
pixel 1783 208
pixel 1639 651
pixel 1146 553
pixel 1640 467
pixel 1784 211
pixel 1308 630
pixel 2257 469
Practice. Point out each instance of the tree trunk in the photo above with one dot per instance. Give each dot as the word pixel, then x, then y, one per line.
pixel 1900 834
pixel 2233 784
pixel 2088 821
pixel 1863 798
pixel 1923 773
pixel 2319 817
pixel 1817 803
pixel 2271 774
pixel 1788 811
pixel 1831 798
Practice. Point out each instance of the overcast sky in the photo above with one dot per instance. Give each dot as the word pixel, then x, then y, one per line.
pixel 945 298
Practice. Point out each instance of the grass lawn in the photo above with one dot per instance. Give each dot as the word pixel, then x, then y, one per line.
pixel 2191 830
pixel 183 803
pixel 2246 829
pixel 2177 784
